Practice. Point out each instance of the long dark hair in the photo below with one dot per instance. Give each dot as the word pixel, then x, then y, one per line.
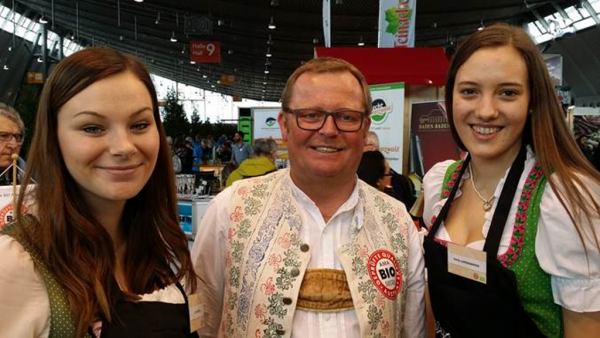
pixel 76 248
pixel 546 129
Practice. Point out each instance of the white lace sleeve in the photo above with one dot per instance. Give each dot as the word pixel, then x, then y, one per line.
pixel 432 187
pixel 575 272
pixel 24 305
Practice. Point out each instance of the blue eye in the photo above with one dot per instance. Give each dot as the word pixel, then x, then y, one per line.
pixel 92 129
pixel 140 126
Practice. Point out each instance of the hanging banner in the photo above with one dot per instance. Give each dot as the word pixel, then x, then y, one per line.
pixel 397 23
pixel 205 51
pixel 431 139
pixel 387 121
pixel 327 22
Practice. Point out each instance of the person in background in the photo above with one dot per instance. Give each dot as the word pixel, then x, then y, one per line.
pixel 240 150
pixel 261 162
pixel 174 158
pixel 103 255
pixel 187 156
pixel 371 142
pixel 198 153
pixel 525 201
pixel 289 254
pixel 224 153
pixel 402 188
pixel 375 170
pixel 12 132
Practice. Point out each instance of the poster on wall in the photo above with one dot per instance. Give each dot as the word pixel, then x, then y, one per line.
pixel 397 23
pixel 265 125
pixel 585 123
pixel 387 121
pixel 431 140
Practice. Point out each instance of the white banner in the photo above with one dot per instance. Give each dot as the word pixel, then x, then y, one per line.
pixel 397 23
pixel 327 22
pixel 265 125
pixel 387 121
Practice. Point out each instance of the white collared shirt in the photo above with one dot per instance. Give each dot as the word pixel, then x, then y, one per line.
pixel 209 254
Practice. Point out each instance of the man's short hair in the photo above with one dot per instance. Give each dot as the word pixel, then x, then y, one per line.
pixel 264 147
pixel 241 133
pixel 327 65
pixel 11 114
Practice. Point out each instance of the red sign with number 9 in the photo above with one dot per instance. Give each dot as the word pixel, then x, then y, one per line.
pixel 205 51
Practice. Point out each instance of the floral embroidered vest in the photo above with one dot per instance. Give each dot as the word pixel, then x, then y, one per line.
pixel 267 260
pixel 535 290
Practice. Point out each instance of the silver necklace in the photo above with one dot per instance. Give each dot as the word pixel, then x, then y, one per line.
pixel 487 203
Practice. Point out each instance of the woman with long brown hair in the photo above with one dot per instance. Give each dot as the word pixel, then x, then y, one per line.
pixel 513 245
pixel 103 253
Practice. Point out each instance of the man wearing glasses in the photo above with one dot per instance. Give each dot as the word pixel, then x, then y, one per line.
pixel 11 138
pixel 311 251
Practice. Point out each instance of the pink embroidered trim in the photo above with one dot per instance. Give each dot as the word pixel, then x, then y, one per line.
pixel 518 236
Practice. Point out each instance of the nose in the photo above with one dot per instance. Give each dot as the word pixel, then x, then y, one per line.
pixel 12 143
pixel 121 144
pixel 487 109
pixel 329 128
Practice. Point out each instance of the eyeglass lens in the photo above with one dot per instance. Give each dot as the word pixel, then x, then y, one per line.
pixel 6 136
pixel 314 119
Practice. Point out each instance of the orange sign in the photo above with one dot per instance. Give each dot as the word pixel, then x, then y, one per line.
pixel 205 51
pixel 227 79
pixel 33 77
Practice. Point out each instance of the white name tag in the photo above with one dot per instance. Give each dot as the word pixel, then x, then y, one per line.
pixel 197 314
pixel 466 262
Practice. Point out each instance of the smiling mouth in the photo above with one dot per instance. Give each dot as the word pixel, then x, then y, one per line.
pixel 326 150
pixel 486 130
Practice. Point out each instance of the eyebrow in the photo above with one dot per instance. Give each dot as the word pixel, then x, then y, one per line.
pixel 98 115
pixel 473 83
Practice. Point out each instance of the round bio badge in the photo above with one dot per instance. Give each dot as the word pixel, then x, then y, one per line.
pixel 7 214
pixel 385 273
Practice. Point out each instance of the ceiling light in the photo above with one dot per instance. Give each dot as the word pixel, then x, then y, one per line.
pixel 39 59
pixel 265 83
pixel 270 41
pixel 272 24
pixel 230 52
pixel 43 20
pixel 212 86
pixel 198 69
pixel 361 42
pixel 481 26
pixel 138 0
pixel 220 22
pixel 266 71
pixel 10 48
pixel 269 53
pixel 315 41
pixel 5 67
pixel 157 19
pixel 204 76
pixel 192 62
pixel 173 38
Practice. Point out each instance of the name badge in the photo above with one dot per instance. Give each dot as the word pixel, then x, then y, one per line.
pixel 466 262
pixel 197 313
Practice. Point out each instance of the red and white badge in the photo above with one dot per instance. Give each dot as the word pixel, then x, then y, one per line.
pixel 385 273
pixel 7 214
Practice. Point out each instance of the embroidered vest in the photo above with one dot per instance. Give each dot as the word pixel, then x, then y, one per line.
pixel 267 260
pixel 535 290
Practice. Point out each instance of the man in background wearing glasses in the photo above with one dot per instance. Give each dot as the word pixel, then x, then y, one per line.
pixel 311 251
pixel 12 130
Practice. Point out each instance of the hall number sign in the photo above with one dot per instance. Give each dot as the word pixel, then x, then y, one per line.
pixel 205 51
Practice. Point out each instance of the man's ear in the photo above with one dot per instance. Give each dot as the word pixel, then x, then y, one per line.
pixel 282 119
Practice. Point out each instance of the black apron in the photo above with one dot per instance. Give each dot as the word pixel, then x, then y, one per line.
pixel 147 319
pixel 466 308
